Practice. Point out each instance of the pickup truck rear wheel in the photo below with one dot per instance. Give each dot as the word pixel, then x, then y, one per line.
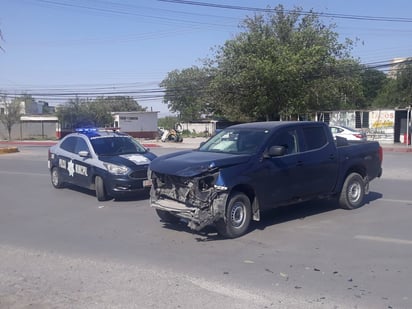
pixel 238 216
pixel 353 192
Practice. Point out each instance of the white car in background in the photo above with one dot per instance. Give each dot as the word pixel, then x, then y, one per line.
pixel 348 133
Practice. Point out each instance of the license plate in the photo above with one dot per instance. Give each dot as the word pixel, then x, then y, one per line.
pixel 147 183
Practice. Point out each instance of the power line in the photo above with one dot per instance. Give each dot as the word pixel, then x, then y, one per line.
pixel 256 9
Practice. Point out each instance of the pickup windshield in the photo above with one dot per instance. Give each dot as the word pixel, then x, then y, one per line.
pixel 236 141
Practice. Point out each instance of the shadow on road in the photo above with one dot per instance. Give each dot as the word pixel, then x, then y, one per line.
pixel 275 216
pixel 136 196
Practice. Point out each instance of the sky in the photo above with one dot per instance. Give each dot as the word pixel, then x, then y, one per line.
pixel 55 49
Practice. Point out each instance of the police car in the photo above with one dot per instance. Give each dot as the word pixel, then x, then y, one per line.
pixel 107 161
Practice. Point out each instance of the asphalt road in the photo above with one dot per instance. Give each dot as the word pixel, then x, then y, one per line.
pixel 64 249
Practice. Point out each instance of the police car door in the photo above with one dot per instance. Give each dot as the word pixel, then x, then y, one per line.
pixel 65 156
pixel 80 168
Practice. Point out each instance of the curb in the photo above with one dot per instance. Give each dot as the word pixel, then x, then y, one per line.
pixel 397 149
pixel 11 147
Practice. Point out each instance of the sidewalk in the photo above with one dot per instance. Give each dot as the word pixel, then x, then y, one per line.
pixel 187 143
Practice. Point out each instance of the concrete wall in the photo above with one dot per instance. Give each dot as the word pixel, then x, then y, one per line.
pixel 30 130
pixel 200 127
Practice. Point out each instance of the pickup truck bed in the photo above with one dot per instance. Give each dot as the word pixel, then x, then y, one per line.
pixel 251 167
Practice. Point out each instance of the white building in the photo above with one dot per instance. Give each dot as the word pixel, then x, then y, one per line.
pixel 137 124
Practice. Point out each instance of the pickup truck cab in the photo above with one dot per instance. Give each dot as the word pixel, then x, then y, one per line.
pixel 251 167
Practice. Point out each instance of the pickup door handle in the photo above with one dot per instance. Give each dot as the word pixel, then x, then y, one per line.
pixel 299 163
pixel 332 157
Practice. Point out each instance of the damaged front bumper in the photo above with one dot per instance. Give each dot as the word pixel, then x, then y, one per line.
pixel 196 200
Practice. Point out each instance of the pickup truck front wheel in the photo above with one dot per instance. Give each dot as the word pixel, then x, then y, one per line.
pixel 353 192
pixel 238 216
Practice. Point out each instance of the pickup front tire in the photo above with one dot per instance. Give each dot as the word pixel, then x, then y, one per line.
pixel 238 216
pixel 353 192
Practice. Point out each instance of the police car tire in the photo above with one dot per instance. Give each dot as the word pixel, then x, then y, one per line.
pixel 100 189
pixel 55 178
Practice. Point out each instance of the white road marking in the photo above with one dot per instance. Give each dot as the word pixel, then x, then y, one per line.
pixel 233 292
pixel 384 239
pixel 395 201
pixel 23 173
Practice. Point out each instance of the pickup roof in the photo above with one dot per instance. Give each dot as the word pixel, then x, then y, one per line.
pixel 251 167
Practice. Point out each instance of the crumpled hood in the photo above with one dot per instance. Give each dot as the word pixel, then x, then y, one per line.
pixel 190 163
pixel 129 160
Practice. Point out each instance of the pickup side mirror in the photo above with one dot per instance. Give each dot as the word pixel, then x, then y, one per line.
pixel 275 151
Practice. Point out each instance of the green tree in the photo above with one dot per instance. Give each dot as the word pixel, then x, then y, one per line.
pixel 186 92
pixel 119 104
pixel 10 114
pixel 388 97
pixel 396 92
pixel 373 81
pixel 404 83
pixel 96 112
pixel 168 122
pixel 270 70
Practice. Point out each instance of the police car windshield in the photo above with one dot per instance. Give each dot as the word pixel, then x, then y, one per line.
pixel 115 145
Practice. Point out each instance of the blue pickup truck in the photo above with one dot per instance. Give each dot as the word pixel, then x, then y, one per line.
pixel 247 168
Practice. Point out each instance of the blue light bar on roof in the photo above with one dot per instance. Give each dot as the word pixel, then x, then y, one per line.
pixel 86 130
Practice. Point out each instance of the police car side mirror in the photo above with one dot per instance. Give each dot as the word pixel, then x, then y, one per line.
pixel 84 154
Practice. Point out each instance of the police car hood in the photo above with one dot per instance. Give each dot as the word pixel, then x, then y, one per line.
pixel 128 160
pixel 193 162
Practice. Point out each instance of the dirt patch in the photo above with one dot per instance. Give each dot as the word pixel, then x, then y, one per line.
pixel 8 149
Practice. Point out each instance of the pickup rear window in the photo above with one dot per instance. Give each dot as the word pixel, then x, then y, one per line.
pixel 315 137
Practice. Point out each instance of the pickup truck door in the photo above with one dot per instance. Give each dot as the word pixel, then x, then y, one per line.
pixel 282 178
pixel 319 162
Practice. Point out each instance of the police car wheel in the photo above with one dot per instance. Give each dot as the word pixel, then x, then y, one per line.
pixel 55 178
pixel 101 193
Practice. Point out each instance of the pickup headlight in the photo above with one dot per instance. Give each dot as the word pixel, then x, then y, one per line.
pixel 116 169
